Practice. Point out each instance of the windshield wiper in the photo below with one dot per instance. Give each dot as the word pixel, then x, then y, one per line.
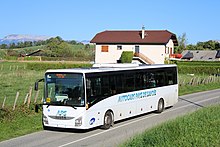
pixel 71 106
pixel 48 105
pixel 74 107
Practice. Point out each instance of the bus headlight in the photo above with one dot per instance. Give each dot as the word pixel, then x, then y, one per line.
pixel 45 119
pixel 78 122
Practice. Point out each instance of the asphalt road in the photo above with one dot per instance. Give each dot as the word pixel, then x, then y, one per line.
pixel 121 131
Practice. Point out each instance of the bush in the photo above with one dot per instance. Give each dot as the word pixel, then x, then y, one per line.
pixel 2 54
pixel 11 58
pixel 127 56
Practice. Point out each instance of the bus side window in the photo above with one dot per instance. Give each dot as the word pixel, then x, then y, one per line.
pixel 139 81
pixel 119 83
pixel 105 86
pixel 112 83
pixel 93 89
pixel 151 82
pixel 129 82
pixel 160 78
pixel 171 77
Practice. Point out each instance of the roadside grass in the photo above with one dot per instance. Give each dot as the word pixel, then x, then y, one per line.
pixel 197 83
pixel 17 123
pixel 200 128
pixel 188 89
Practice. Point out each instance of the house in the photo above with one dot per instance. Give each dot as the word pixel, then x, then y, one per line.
pixel 201 55
pixel 148 46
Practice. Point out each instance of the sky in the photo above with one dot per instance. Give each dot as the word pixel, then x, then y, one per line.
pixel 82 20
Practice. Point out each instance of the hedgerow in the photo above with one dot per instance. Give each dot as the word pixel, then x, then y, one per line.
pixel 199 67
pixel 44 66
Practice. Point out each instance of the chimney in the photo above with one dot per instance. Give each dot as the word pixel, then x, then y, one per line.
pixel 143 32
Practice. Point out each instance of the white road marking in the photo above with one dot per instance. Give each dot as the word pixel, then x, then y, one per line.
pixel 136 121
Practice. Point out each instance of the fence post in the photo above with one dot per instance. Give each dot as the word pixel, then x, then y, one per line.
pixel 16 98
pixel 198 81
pixel 194 81
pixel 36 96
pixel 25 99
pixel 29 98
pixel 3 104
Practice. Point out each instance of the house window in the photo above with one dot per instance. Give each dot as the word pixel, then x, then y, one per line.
pixel 119 47
pixel 104 48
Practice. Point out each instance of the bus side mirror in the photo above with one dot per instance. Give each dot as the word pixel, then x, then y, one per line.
pixel 36 84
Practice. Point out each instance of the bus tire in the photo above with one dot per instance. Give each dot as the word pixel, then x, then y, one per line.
pixel 45 127
pixel 160 106
pixel 108 120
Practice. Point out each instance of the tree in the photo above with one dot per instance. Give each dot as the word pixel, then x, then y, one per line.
pixel 87 46
pixel 208 45
pixel 182 41
pixel 72 42
pixel 217 45
pixel 3 46
pixel 190 47
pixel 12 45
pixel 56 47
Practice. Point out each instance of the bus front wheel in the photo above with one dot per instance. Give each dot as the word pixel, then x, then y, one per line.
pixel 108 120
pixel 160 106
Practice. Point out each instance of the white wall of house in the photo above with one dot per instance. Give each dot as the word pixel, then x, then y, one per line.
pixel 112 55
pixel 154 52
pixel 169 48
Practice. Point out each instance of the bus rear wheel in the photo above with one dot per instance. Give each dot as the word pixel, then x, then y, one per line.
pixel 160 106
pixel 108 120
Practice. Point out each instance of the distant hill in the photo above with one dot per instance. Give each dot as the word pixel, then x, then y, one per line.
pixel 15 38
pixel 85 41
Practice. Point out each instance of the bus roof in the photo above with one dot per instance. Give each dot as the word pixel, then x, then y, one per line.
pixel 108 69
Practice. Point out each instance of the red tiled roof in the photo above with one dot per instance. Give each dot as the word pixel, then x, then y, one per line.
pixel 151 37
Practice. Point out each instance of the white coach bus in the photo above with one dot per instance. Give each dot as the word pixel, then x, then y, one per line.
pixel 84 98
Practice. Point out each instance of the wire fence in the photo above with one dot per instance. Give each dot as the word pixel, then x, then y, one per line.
pixel 195 81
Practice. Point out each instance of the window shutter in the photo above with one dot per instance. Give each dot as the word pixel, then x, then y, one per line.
pixel 104 48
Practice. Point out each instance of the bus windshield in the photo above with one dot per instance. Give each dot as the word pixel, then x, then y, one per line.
pixel 64 89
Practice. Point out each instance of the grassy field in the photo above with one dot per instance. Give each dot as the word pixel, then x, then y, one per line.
pixel 78 52
pixel 200 128
pixel 15 77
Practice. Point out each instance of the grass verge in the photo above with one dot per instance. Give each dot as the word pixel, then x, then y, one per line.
pixel 188 89
pixel 17 123
pixel 200 128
